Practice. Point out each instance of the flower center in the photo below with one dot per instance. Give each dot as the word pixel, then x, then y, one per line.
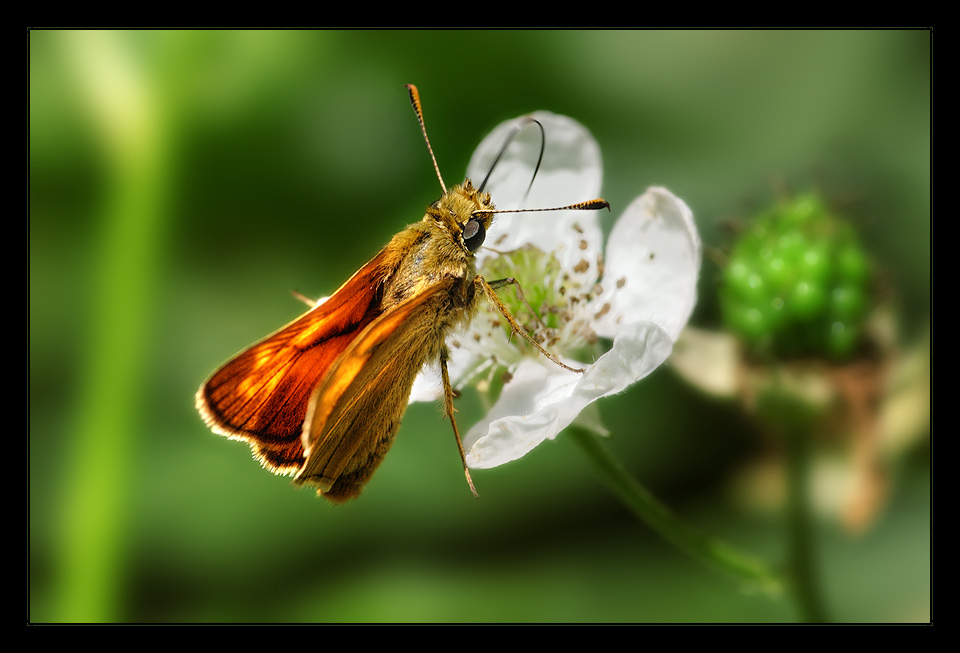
pixel 551 307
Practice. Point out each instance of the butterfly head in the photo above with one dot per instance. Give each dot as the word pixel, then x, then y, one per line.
pixel 464 212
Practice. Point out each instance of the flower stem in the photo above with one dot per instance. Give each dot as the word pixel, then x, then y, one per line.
pixel 801 554
pixel 132 100
pixel 710 551
pixel 792 417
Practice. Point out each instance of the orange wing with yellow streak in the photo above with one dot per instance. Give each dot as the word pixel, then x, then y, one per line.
pixel 355 411
pixel 261 394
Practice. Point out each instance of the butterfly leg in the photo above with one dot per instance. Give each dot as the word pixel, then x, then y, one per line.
pixel 489 290
pixel 448 407
pixel 510 281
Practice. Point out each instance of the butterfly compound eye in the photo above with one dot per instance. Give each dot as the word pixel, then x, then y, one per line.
pixel 473 234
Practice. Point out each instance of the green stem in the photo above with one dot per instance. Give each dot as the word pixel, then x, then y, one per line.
pixel 132 103
pixel 711 552
pixel 801 555
pixel 791 416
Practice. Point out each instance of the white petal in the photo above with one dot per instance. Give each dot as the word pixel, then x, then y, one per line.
pixel 428 386
pixel 709 360
pixel 543 399
pixel 571 172
pixel 465 365
pixel 524 416
pixel 654 250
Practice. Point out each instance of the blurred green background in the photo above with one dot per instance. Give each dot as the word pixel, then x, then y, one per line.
pixel 183 183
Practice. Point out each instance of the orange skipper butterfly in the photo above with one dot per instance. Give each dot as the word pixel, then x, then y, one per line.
pixel 322 398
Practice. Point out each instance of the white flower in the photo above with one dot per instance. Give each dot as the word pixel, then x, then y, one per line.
pixel 639 292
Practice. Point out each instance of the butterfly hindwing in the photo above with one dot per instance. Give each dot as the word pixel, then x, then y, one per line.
pixel 355 411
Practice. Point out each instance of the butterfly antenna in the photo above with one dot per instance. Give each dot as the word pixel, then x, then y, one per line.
pixel 591 205
pixel 415 101
pixel 516 130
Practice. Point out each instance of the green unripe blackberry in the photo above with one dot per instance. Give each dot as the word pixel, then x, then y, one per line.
pixel 797 283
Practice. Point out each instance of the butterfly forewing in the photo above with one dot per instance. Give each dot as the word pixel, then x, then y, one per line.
pixel 261 394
